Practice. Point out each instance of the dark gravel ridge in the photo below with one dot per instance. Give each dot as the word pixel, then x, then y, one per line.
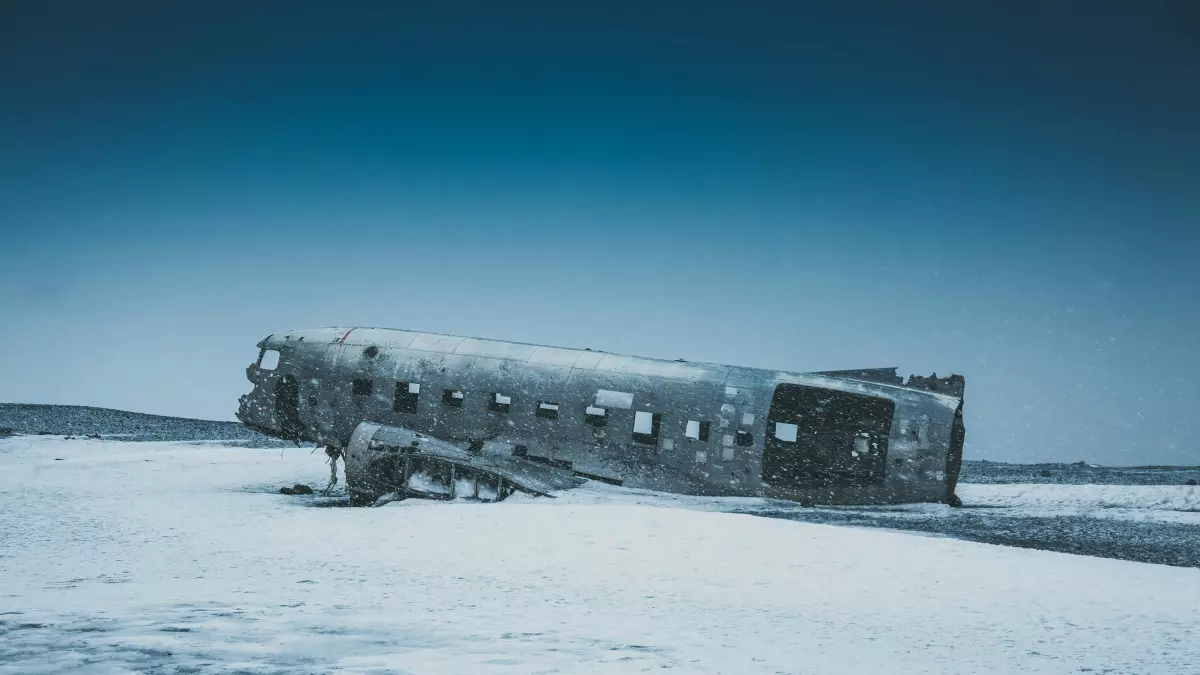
pixel 1078 473
pixel 1160 543
pixel 77 420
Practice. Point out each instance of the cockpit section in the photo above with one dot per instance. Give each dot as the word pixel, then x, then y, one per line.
pixel 273 406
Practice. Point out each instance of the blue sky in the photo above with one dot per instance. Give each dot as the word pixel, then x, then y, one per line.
pixel 1008 192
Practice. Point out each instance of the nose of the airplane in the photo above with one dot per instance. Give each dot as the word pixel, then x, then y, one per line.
pixel 243 403
pixel 254 407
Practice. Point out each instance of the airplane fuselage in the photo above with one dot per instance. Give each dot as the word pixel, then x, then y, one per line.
pixel 834 438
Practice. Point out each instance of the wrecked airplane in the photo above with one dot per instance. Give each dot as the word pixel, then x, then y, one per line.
pixel 442 416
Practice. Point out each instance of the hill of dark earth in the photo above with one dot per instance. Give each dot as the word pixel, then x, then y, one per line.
pixel 76 420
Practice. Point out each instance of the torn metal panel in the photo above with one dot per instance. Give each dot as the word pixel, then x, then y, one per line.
pixel 382 458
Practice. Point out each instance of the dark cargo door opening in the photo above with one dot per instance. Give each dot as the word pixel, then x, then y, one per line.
pixel 824 438
pixel 287 407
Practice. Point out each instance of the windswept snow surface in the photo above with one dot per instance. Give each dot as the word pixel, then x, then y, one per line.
pixel 172 557
pixel 1172 503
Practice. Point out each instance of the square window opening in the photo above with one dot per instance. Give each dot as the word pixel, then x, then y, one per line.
pixel 547 410
pixel 596 417
pixel 862 446
pixel 697 431
pixel 363 387
pixel 645 427
pixel 786 432
pixel 499 403
pixel 406 396
pixel 452 398
pixel 744 439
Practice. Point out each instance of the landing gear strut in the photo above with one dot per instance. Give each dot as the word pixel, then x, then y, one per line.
pixel 333 454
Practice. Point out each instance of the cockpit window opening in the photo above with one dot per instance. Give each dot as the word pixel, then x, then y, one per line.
pixel 499 402
pixel 645 427
pixel 452 398
pixel 269 360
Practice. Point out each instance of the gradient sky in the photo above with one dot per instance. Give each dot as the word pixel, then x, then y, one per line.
pixel 1010 191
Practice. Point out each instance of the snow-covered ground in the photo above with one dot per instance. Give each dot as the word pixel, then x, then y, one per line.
pixel 173 557
pixel 1167 503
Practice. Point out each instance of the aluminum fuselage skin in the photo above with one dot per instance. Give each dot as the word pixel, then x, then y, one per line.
pixel 321 374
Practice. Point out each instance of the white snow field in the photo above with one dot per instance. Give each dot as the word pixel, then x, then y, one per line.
pixel 120 557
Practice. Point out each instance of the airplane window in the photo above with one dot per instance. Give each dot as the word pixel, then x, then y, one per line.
pixel 697 431
pixel 747 419
pixel 547 410
pixel 405 399
pixel 744 438
pixel 363 387
pixel 786 432
pixel 727 440
pixel 595 416
pixel 452 397
pixel 701 457
pixel 270 360
pixel 645 427
pixel 726 454
pixel 500 403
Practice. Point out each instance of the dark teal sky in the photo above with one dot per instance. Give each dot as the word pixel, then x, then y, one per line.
pixel 1006 190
